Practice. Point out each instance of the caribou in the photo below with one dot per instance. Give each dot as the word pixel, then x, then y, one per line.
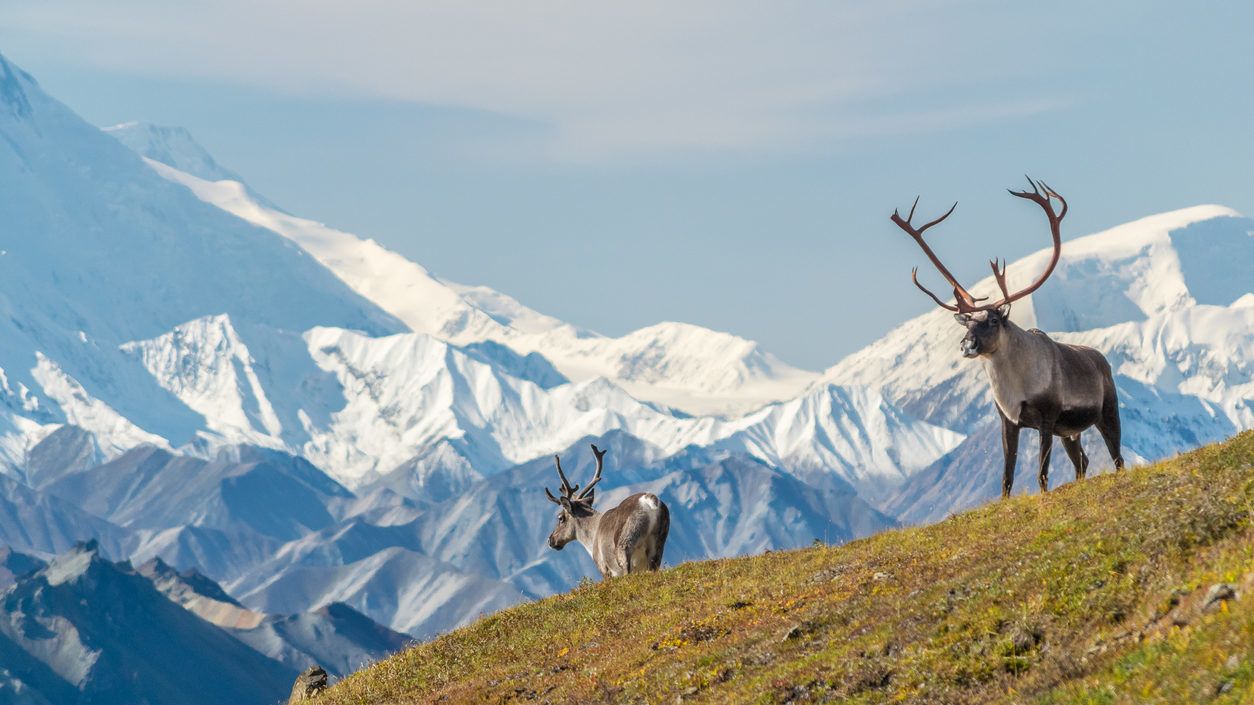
pixel 626 539
pixel 1038 383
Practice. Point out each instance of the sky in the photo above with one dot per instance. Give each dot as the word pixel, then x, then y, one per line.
pixel 729 164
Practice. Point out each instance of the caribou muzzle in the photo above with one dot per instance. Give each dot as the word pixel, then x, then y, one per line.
pixel 970 346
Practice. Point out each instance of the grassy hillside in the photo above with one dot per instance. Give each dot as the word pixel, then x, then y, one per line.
pixel 1096 593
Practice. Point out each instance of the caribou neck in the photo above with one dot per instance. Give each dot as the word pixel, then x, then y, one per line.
pixel 1014 344
pixel 586 530
pixel 1013 369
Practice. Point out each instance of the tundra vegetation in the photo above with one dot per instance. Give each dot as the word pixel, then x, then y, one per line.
pixel 1130 587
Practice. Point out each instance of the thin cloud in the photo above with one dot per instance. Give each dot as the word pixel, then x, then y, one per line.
pixel 605 80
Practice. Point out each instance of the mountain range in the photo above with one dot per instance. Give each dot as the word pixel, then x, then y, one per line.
pixel 82 629
pixel 306 441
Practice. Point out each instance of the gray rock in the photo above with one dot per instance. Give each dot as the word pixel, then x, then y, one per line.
pixel 308 685
pixel 1218 594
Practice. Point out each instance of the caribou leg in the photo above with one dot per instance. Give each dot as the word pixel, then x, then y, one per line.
pixel 664 528
pixel 1078 457
pixel 1108 426
pixel 1010 452
pixel 1047 450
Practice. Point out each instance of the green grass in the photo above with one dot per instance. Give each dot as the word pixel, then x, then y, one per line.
pixel 1090 594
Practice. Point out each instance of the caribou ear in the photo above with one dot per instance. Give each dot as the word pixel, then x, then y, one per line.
pixel 565 502
pixel 1004 311
pixel 962 318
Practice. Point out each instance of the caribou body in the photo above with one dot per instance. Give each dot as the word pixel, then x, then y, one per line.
pixel 1037 383
pixel 626 539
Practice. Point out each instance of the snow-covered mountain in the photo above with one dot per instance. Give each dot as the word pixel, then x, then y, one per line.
pixel 146 316
pixel 1100 295
pixel 96 251
pixel 683 366
pixel 174 146
pixel 361 406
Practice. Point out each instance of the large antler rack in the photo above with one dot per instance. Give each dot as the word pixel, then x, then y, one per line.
pixel 568 490
pixel 964 302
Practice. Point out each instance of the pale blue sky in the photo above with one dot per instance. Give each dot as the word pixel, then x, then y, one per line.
pixel 727 164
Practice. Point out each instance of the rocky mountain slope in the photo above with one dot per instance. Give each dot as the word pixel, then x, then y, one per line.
pixel 87 630
pixel 83 629
pixel 1128 588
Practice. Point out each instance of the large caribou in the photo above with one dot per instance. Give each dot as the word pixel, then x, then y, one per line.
pixel 1055 388
pixel 626 539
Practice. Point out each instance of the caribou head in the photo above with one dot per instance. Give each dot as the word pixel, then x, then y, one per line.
pixel 574 508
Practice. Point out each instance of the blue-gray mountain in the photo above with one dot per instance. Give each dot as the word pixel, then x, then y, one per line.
pixel 83 629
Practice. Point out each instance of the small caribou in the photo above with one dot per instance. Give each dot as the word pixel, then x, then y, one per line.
pixel 1055 388
pixel 626 539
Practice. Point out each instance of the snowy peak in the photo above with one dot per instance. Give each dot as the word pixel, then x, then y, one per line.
pixel 12 91
pixel 174 146
pixel 403 288
pixel 206 365
pixel 1155 265
pixel 710 359
pixel 686 367
pixel 833 436
pixel 99 250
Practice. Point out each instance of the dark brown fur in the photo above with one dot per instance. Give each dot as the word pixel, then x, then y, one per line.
pixel 1055 388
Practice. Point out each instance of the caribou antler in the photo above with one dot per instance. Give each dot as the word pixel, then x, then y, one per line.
pixel 600 454
pixel 1040 195
pixel 961 294
pixel 568 490
pixel 964 302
